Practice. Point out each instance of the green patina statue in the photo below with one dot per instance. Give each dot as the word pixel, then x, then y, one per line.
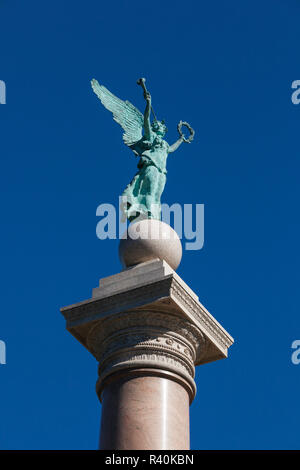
pixel 142 195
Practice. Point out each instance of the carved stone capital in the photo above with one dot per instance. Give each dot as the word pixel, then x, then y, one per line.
pixel 145 338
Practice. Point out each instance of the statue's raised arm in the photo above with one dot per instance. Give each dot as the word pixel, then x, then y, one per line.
pixel 147 96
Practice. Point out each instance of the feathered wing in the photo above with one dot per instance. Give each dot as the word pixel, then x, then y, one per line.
pixel 124 113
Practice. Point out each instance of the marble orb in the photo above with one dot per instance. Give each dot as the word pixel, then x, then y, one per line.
pixel 150 239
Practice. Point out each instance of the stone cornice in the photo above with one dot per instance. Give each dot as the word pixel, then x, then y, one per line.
pixel 147 317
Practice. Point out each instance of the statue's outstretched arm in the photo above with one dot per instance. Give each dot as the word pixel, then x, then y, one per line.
pixel 175 146
pixel 147 124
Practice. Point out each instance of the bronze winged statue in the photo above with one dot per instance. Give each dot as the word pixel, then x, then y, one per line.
pixel 142 195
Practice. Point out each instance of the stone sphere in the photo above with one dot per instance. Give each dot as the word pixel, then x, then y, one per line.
pixel 150 239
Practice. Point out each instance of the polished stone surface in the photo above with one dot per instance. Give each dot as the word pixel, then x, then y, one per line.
pixel 149 239
pixel 144 413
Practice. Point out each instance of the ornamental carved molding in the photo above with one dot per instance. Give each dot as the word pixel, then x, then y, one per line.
pixel 163 293
pixel 146 317
pixel 146 339
pixel 200 314
pixel 118 302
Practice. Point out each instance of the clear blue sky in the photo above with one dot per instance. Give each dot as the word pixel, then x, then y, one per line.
pixel 227 68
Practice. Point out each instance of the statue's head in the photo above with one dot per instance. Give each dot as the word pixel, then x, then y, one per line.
pixel 159 128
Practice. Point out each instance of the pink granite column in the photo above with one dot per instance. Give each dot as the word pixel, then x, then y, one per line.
pixel 145 410
pixel 148 331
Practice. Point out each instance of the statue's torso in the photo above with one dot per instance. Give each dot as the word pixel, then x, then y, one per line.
pixel 153 152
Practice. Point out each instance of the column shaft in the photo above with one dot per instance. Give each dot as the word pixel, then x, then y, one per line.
pixel 144 412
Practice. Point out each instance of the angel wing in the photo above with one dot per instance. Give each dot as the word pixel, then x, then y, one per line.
pixel 124 113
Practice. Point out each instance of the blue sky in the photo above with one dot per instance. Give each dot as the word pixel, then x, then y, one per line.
pixel 227 68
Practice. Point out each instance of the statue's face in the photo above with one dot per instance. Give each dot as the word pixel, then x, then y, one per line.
pixel 159 128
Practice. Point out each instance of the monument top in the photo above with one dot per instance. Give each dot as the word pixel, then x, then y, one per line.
pixel 149 287
pixel 146 140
